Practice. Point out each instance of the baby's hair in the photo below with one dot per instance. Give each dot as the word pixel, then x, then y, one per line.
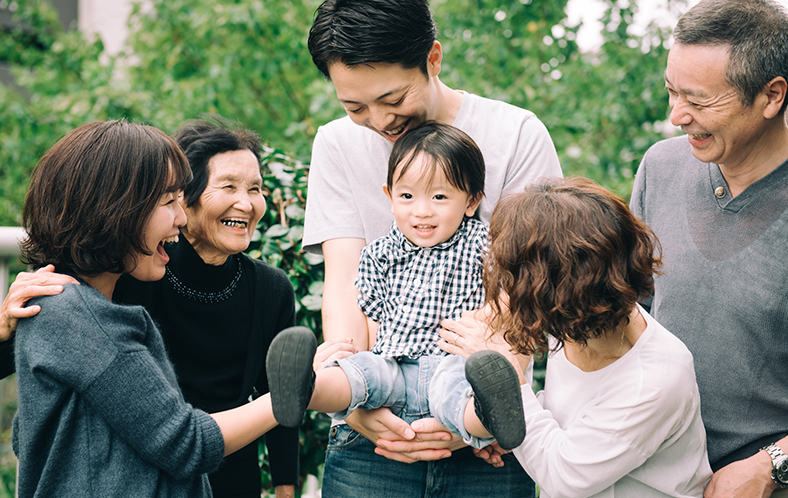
pixel 450 148
pixel 569 259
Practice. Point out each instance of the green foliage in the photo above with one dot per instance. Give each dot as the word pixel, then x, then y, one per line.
pixel 600 108
pixel 247 60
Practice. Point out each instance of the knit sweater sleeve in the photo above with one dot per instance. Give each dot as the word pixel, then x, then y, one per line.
pixel 114 356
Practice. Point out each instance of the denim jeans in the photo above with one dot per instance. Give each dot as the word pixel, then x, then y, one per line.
pixel 353 470
pixel 413 389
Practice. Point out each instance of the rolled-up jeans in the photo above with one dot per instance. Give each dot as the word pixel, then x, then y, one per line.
pixel 354 470
pixel 412 388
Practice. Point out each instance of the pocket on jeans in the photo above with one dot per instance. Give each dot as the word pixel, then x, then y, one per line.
pixel 342 437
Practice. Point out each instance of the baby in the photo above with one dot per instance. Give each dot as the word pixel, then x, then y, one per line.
pixel 427 268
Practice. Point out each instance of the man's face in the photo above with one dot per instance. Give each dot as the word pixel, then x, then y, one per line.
pixel 386 98
pixel 719 127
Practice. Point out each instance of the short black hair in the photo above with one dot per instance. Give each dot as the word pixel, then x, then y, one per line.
pixel 355 32
pixel 201 139
pixel 92 194
pixel 451 150
pixel 756 32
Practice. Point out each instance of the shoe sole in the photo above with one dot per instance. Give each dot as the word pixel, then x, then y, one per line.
pixel 496 387
pixel 290 374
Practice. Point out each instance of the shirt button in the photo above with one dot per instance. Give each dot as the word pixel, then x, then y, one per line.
pixel 417 283
pixel 719 192
pixel 406 309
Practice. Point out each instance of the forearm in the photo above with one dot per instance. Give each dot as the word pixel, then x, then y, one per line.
pixel 240 426
pixel 342 317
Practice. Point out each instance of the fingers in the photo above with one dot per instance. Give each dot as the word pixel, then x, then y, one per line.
pixel 24 312
pixel 491 454
pixel 394 425
pixel 333 349
pixel 45 276
pixel 380 424
pixel 429 425
pixel 416 456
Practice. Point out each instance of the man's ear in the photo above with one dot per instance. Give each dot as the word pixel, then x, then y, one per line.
pixel 775 92
pixel 434 59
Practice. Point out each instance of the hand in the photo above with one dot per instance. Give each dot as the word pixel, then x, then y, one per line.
pixel 398 440
pixel 748 478
pixel 44 282
pixel 333 349
pixel 464 337
pixel 472 334
pixel 431 443
pixel 492 454
pixel 284 491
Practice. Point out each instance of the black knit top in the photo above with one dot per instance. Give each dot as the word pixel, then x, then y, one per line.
pixel 217 323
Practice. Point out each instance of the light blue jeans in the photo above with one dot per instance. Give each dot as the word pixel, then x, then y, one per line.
pixel 413 389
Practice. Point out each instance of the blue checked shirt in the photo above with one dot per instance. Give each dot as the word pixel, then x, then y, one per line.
pixel 409 289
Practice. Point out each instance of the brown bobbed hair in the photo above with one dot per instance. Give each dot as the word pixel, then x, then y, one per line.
pixel 92 194
pixel 569 259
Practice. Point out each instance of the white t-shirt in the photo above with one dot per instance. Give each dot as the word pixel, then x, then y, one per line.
pixel 630 430
pixel 350 162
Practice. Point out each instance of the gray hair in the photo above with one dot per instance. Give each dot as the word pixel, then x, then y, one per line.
pixel 756 32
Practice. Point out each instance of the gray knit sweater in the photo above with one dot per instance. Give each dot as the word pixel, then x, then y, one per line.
pixel 724 291
pixel 100 413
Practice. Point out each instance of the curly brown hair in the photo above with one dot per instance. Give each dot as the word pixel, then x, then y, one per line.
pixel 569 259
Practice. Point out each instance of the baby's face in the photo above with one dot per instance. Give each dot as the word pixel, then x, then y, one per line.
pixel 428 211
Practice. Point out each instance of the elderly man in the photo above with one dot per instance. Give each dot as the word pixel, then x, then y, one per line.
pixel 718 200
pixel 384 61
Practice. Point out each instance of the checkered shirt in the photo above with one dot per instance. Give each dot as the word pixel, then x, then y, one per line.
pixel 409 289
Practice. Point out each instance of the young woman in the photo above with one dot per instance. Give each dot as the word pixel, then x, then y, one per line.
pixel 619 416
pixel 100 412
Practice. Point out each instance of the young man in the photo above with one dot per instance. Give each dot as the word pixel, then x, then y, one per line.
pixel 718 201
pixel 384 61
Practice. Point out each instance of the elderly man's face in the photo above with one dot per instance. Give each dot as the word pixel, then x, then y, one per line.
pixel 720 128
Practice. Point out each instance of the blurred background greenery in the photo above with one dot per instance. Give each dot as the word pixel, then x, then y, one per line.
pixel 247 60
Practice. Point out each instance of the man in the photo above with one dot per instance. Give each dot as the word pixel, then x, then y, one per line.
pixel 718 201
pixel 384 61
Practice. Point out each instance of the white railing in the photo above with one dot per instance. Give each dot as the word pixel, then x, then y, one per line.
pixel 10 237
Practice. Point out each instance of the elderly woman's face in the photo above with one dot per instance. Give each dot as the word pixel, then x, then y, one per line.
pixel 223 220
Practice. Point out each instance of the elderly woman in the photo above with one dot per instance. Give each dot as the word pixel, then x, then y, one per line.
pixel 620 413
pixel 100 412
pixel 218 309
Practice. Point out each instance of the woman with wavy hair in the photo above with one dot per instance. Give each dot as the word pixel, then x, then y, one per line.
pixel 620 414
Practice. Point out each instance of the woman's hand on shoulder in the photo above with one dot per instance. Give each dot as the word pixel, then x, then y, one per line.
pixel 44 282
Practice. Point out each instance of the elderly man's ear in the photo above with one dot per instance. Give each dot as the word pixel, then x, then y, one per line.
pixel 775 92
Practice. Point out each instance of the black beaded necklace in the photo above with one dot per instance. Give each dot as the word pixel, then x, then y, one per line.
pixel 206 297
